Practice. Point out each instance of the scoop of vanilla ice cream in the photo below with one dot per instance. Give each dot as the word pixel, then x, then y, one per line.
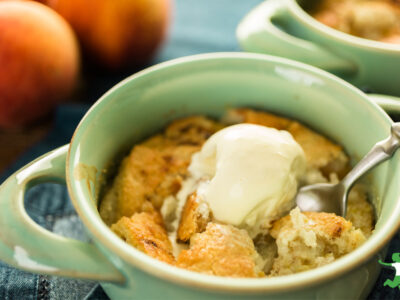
pixel 248 175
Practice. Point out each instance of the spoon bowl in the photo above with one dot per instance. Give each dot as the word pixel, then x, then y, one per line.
pixel 332 198
pixel 324 197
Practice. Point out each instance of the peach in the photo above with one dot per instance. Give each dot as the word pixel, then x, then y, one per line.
pixel 117 33
pixel 39 61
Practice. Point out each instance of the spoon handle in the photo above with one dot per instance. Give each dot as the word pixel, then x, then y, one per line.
pixel 382 151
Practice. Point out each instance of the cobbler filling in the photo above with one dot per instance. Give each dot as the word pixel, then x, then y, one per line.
pixel 156 205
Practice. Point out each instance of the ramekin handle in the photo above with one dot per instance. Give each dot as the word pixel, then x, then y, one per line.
pixel 257 33
pixel 26 245
pixel 390 104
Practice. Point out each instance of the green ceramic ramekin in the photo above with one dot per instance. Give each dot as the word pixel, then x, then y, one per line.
pixel 144 103
pixel 283 28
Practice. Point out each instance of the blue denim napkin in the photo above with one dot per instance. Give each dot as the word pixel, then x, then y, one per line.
pixel 198 27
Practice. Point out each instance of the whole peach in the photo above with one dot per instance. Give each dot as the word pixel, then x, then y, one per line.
pixel 117 33
pixel 39 61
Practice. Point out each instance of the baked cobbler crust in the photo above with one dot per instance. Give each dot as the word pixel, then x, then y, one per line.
pixel 310 239
pixel 194 218
pixel 155 168
pixel 221 250
pixel 146 232
pixel 154 171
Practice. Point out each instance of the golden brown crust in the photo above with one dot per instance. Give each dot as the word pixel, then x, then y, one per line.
pixel 155 168
pixel 246 115
pixel 309 240
pixel 320 152
pixel 328 223
pixel 145 175
pixel 221 250
pixel 193 220
pixel 193 130
pixel 145 231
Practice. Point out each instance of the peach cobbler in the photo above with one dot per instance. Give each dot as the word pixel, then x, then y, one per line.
pixel 217 197
pixel 371 19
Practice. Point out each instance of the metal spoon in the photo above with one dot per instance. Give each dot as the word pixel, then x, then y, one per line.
pixel 332 198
